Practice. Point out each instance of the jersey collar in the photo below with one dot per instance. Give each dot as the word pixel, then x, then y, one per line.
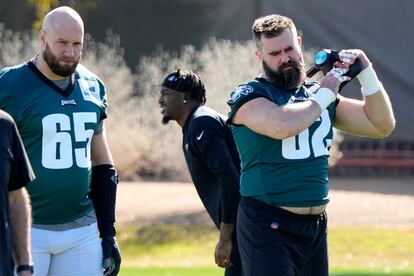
pixel 64 92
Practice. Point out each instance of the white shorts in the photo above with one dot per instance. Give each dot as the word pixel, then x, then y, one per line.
pixel 74 252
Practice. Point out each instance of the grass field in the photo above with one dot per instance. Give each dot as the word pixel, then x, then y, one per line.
pixel 218 272
pixel 183 250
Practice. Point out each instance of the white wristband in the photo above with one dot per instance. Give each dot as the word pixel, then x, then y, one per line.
pixel 323 97
pixel 369 81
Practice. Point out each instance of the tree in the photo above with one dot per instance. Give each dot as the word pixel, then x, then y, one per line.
pixel 42 7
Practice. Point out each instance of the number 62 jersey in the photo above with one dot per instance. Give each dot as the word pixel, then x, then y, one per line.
pixel 289 172
pixel 56 127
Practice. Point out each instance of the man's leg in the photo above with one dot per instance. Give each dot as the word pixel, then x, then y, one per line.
pixel 41 251
pixel 318 262
pixel 79 253
pixel 261 240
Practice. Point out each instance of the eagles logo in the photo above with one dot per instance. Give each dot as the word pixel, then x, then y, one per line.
pixel 239 92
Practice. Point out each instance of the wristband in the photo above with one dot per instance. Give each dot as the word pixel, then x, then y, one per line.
pixel 369 81
pixel 24 267
pixel 323 97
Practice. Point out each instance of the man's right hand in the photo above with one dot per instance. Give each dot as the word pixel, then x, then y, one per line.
pixel 333 79
pixel 223 252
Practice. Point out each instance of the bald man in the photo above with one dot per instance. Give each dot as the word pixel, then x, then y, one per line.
pixel 59 107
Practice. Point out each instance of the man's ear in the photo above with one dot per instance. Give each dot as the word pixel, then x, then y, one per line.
pixel 186 98
pixel 42 37
pixel 299 40
pixel 258 55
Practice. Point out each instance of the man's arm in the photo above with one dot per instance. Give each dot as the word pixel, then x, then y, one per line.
pixel 20 219
pixel 100 150
pixel 103 194
pixel 217 157
pixel 280 122
pixel 373 116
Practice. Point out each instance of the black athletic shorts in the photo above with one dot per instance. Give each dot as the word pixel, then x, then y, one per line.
pixel 273 241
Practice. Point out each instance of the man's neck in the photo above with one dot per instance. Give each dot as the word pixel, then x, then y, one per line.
pixel 186 112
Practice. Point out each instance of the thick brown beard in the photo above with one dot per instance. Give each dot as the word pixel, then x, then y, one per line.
pixel 53 63
pixel 286 79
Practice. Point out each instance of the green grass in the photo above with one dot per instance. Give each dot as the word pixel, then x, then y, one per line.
pixel 181 250
pixel 174 271
pixel 386 250
pixel 130 271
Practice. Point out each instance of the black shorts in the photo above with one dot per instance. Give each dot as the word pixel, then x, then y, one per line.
pixel 273 241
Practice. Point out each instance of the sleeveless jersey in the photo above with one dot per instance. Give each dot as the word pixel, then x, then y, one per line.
pixel 289 172
pixel 56 127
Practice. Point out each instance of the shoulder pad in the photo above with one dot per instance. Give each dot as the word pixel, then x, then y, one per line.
pixel 242 90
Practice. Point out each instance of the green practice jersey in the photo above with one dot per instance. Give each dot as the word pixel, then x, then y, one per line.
pixel 289 172
pixel 56 127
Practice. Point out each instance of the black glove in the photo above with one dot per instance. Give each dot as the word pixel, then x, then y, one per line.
pixel 111 256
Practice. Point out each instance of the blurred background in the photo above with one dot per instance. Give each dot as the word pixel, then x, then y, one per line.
pixel 131 45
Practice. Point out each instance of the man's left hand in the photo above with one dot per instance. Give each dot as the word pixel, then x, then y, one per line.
pixel 349 56
pixel 111 256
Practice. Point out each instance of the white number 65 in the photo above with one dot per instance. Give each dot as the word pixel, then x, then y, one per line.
pixel 57 151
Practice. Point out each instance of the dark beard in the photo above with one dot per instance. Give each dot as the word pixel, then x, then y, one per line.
pixel 165 120
pixel 53 63
pixel 286 79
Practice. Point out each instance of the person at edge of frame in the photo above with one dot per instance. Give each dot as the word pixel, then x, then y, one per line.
pixel 15 211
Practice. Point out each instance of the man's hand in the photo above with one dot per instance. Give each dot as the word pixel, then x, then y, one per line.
pixel 111 256
pixel 370 84
pixel 223 252
pixel 334 78
pixel 224 245
pixel 349 56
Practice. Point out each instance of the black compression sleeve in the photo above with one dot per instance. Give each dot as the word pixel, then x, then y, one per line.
pixel 103 195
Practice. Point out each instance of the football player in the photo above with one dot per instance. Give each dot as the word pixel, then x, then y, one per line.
pixel 211 157
pixel 283 129
pixel 59 107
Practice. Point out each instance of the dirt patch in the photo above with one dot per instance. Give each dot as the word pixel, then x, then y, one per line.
pixel 378 202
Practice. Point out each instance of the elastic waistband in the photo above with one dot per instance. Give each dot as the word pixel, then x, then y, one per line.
pixel 274 210
pixel 83 221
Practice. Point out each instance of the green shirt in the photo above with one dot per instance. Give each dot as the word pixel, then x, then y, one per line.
pixel 289 172
pixel 56 127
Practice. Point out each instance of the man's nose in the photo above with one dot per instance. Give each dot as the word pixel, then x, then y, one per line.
pixel 70 51
pixel 284 57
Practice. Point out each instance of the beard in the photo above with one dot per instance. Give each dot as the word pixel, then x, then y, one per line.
pixel 289 76
pixel 166 119
pixel 166 116
pixel 53 63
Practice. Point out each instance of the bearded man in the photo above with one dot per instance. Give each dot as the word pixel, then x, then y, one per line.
pixel 283 129
pixel 59 107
